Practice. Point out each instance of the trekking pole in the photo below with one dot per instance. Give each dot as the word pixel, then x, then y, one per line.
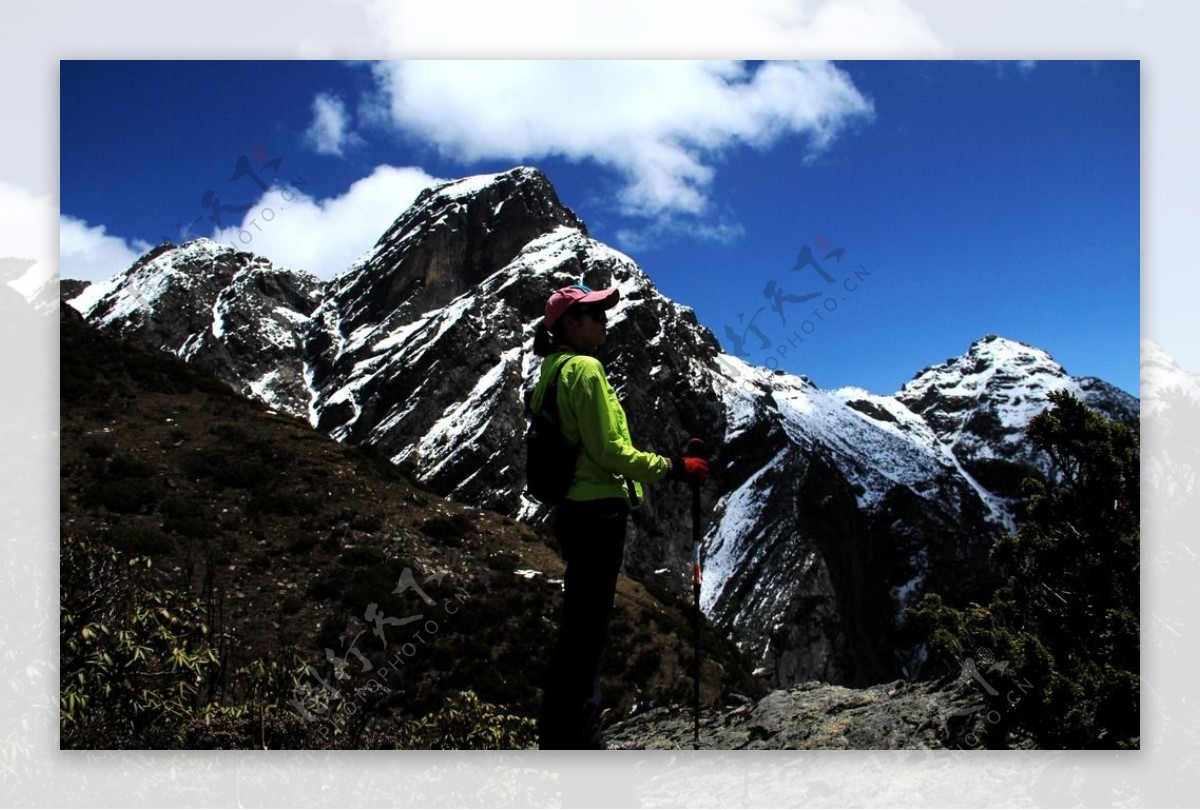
pixel 695 448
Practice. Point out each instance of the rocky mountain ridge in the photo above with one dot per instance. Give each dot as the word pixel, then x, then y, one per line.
pixel 231 312
pixel 829 511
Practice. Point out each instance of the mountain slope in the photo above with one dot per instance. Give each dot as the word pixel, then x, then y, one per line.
pixel 293 542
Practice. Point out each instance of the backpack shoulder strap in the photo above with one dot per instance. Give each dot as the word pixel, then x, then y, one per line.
pixel 550 398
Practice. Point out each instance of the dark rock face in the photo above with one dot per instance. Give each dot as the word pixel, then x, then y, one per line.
pixel 70 288
pixel 453 237
pixel 827 512
pixel 841 508
pixel 231 312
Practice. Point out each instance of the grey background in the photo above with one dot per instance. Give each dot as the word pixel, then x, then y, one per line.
pixel 33 772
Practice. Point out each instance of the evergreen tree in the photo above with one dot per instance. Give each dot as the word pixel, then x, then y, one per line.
pixel 1055 653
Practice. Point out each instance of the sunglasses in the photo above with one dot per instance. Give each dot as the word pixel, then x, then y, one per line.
pixel 595 313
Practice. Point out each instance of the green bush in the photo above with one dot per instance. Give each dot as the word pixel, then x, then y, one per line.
pixel 95 449
pixel 303 543
pixel 242 474
pixel 234 434
pixel 332 543
pixel 644 665
pixel 134 656
pixel 126 467
pixel 466 722
pixel 505 561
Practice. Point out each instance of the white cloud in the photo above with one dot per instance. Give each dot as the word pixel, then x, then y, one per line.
pixel 89 252
pixel 325 236
pixel 661 126
pixel 663 228
pixel 769 29
pixel 329 132
pixel 26 223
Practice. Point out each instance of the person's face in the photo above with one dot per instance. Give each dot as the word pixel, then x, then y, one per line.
pixel 586 329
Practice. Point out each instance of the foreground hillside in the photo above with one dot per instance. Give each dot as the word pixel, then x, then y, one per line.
pixel 318 597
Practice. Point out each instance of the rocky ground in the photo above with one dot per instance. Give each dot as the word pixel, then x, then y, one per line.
pixel 814 715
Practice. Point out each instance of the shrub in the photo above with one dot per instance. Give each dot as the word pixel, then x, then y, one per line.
pixel 96 449
pixel 230 433
pixel 505 561
pixel 126 467
pixel 303 543
pixel 283 503
pixel 332 543
pixel 242 474
pixel 466 722
pixel 133 656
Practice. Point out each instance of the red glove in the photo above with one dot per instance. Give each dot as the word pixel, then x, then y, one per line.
pixel 692 469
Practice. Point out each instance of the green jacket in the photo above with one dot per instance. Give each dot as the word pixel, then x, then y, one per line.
pixel 590 415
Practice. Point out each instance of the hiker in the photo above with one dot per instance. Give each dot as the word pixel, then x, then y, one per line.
pixel 589 523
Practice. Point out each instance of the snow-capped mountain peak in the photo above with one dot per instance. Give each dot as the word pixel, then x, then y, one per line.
pixel 231 311
pixel 980 403
pixel 990 366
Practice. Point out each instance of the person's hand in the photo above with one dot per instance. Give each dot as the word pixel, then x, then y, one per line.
pixel 691 467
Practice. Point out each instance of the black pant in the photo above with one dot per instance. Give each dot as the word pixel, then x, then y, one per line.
pixel 591 535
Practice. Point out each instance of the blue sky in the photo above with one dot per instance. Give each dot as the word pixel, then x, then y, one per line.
pixel 953 199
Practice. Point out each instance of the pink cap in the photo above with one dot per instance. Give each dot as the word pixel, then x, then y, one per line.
pixel 562 300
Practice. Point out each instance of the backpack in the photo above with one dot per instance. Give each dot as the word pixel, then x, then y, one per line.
pixel 549 458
